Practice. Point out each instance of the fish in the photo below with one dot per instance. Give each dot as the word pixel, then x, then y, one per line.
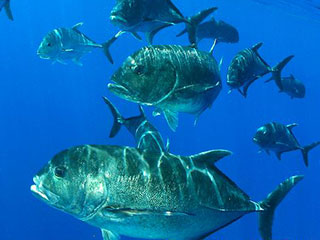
pixel 128 192
pixel 219 30
pixel 147 16
pixel 145 134
pixel 279 138
pixel 172 78
pixel 293 87
pixel 248 66
pixel 6 5
pixel 63 44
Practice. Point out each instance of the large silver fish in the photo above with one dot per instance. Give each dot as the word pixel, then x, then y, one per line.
pixel 6 5
pixel 150 195
pixel 63 44
pixel 171 78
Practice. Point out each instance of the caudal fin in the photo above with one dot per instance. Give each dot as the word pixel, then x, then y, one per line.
pixel 305 150
pixel 7 8
pixel 117 118
pixel 270 204
pixel 107 45
pixel 276 71
pixel 193 22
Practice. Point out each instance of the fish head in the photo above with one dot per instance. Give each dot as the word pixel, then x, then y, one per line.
pixel 299 90
pixel 70 182
pixel 235 74
pixel 141 81
pixel 127 13
pixel 263 136
pixel 50 46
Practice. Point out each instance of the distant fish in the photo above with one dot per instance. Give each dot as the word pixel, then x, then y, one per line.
pixel 145 134
pixel 147 16
pixel 63 44
pixel 6 5
pixel 247 66
pixel 279 138
pixel 150 195
pixel 212 29
pixel 171 78
pixel 293 87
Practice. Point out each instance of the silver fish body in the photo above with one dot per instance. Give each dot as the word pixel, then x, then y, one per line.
pixel 63 44
pixel 171 78
pixel 143 194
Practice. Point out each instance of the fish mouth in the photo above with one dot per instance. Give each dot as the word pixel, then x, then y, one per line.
pixel 256 140
pixel 42 193
pixel 120 91
pixel 118 19
pixel 42 56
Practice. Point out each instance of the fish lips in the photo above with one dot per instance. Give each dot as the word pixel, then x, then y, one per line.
pixel 121 91
pixel 39 191
pixel 118 20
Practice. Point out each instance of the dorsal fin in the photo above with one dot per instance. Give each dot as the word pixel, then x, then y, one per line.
pixel 210 157
pixel 290 126
pixel 256 47
pixel 78 25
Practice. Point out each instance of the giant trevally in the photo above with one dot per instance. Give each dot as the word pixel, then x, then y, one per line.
pixel 145 134
pixel 151 195
pixel 148 16
pixel 279 138
pixel 63 44
pixel 248 66
pixel 6 5
pixel 171 78
pixel 292 86
pixel 219 30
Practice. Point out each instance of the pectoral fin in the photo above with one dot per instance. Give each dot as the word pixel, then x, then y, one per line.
pixel 108 235
pixel 172 119
pixel 78 25
pixel 77 62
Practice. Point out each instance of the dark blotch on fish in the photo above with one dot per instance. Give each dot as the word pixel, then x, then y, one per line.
pixel 279 138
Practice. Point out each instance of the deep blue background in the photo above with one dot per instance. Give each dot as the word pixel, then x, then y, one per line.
pixel 46 108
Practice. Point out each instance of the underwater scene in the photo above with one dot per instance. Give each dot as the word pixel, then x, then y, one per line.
pixel 160 119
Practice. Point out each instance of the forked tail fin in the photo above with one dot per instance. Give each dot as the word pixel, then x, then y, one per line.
pixel 305 150
pixel 270 204
pixel 117 118
pixel 107 45
pixel 276 71
pixel 193 22
pixel 7 8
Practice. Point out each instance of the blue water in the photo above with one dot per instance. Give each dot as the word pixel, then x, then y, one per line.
pixel 46 108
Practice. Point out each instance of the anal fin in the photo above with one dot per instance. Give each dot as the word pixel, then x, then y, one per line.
pixel 108 235
pixel 172 119
pixel 8 10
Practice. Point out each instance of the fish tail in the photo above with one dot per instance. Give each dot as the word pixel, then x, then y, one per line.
pixel 107 45
pixel 276 71
pixel 117 118
pixel 270 204
pixel 305 150
pixel 8 10
pixel 193 22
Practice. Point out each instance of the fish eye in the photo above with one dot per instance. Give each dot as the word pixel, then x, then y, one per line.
pixel 138 69
pixel 49 44
pixel 60 171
